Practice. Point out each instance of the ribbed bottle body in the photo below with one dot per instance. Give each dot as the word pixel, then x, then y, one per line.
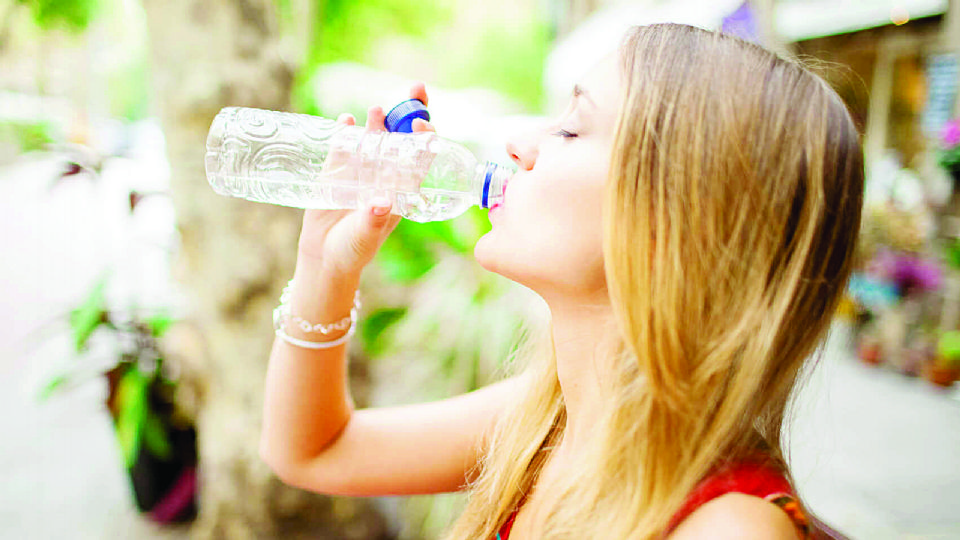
pixel 311 162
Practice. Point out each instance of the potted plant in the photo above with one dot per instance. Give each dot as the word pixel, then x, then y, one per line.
pixel 920 349
pixel 944 369
pixel 157 441
pixel 869 346
pixel 949 152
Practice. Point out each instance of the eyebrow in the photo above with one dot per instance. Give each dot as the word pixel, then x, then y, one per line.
pixel 581 91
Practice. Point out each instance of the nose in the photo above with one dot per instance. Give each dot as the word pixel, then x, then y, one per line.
pixel 523 149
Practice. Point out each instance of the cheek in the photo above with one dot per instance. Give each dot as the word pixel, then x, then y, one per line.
pixel 549 232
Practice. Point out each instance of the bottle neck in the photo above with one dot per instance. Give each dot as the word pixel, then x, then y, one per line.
pixel 489 179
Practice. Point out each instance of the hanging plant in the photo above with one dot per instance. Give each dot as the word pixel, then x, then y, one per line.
pixel 156 440
pixel 949 153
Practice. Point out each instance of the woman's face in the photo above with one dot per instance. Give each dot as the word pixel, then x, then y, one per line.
pixel 547 234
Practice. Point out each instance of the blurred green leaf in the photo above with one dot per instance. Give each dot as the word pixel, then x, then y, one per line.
pixel 54 384
pixel 952 252
pixel 474 224
pixel 27 135
pixel 71 15
pixel 410 251
pixel 155 437
pixel 86 318
pixel 526 45
pixel 949 345
pixel 449 365
pixel 375 325
pixel 486 290
pixel 406 255
pixel 136 423
pixel 132 406
pixel 159 324
pixel 339 37
pixel 446 232
pixel 128 91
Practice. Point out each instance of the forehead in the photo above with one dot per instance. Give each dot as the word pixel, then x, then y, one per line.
pixel 602 83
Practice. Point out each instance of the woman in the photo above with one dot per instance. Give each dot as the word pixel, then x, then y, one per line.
pixel 690 221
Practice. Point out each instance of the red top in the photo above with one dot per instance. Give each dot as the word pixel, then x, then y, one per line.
pixel 757 478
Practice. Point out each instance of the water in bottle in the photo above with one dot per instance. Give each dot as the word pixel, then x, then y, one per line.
pixel 307 161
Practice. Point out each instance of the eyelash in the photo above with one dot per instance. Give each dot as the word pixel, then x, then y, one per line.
pixel 565 134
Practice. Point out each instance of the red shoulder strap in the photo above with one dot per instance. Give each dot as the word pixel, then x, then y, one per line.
pixel 758 478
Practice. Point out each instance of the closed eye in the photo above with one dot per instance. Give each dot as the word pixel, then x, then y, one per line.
pixel 565 134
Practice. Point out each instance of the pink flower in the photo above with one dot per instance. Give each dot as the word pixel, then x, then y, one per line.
pixel 950 134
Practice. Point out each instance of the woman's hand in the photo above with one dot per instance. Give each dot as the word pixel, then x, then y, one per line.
pixel 345 241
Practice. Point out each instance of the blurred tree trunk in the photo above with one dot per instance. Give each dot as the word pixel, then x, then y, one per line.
pixel 234 258
pixel 766 13
pixel 951 39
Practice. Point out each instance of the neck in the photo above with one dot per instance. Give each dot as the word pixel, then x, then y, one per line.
pixel 578 328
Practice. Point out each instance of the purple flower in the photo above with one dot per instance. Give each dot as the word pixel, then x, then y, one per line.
pixel 916 274
pixel 907 272
pixel 950 134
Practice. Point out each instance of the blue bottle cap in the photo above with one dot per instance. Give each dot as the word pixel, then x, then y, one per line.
pixel 400 118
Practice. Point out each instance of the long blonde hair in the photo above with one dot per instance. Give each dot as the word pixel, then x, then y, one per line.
pixel 730 219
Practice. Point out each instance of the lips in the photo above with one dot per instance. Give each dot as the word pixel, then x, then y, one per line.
pixel 503 198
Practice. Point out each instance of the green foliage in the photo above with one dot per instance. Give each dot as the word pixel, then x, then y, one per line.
pixel 137 424
pixel 53 385
pixel 403 257
pixel 27 135
pixel 71 15
pixel 949 346
pixel 507 59
pixel 952 253
pixel 949 152
pixel 347 29
pixel 470 332
pixel 129 92
pixel 375 325
pixel 90 315
pixel 414 248
pixel 950 159
pixel 159 324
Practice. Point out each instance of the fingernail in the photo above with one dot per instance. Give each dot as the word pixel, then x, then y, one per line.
pixel 380 206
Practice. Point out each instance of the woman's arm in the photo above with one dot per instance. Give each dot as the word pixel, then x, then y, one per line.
pixel 314 439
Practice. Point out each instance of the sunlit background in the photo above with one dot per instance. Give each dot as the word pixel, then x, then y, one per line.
pixel 137 304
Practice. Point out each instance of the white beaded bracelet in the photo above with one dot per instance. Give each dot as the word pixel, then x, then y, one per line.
pixel 314 344
pixel 282 313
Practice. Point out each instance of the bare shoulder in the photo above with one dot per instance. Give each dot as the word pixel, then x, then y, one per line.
pixel 737 516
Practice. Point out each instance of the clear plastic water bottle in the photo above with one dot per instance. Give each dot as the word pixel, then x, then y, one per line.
pixel 307 161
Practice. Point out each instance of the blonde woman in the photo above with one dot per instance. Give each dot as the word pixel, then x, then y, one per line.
pixel 690 221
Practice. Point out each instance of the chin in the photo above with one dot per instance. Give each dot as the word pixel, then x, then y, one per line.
pixel 492 255
pixel 484 254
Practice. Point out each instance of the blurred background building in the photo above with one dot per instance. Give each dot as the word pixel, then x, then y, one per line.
pixel 119 253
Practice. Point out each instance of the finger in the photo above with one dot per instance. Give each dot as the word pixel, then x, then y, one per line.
pixel 375 118
pixel 369 230
pixel 322 220
pixel 419 91
pixel 379 210
pixel 419 124
pixel 347 118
